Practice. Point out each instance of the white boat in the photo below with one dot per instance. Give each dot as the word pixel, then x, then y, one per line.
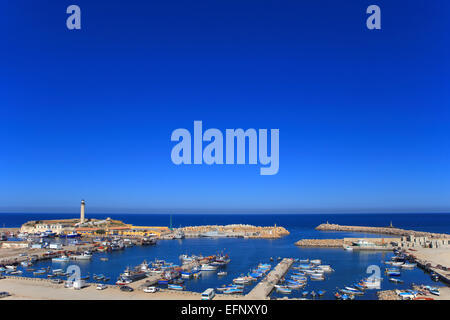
pixel 316 261
pixel 222 273
pixel 325 268
pixel 84 256
pixel 371 283
pixel 408 265
pixel 208 267
pixel 62 258
pixel 348 248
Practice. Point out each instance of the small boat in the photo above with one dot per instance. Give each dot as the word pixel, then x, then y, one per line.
pixel 163 281
pixel 39 272
pixel 305 293
pixel 434 277
pixel 208 267
pixel 175 287
pixel 435 291
pixel 394 280
pixel 283 290
pixel 16 272
pixel 321 292
pixel 233 291
pixel 348 248
pixel 408 265
pixel 352 289
pixel 104 259
pixel 62 258
pixel 316 261
pixel 351 292
pixel 222 273
pixel 313 294
pixel 30 269
pixel 393 273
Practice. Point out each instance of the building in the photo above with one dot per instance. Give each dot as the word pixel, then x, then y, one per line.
pixel 82 212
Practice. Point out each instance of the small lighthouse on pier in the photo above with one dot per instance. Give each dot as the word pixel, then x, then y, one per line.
pixel 82 212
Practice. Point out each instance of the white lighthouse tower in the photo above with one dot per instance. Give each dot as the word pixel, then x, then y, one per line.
pixel 82 212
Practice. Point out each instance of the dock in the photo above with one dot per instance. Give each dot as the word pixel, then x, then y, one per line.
pixel 263 289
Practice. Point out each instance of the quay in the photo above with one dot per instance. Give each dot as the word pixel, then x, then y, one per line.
pixel 22 288
pixel 435 260
pixel 263 289
pixel 380 230
pixel 379 244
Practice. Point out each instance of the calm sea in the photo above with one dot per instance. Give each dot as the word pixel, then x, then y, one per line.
pixel 350 267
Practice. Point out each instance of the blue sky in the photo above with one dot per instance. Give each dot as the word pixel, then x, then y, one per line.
pixel 363 115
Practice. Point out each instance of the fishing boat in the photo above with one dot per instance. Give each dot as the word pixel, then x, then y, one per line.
pixel 371 283
pixel 321 292
pixel 208 267
pixel 222 273
pixel 352 289
pixel 62 258
pixel 84 256
pixel 283 290
pixel 73 234
pixel 39 272
pixel 163 281
pixel 395 280
pixel 233 291
pixel 348 248
pixel 408 265
pixel 393 273
pixel 434 276
pixel 175 287
pixel 435 291
pixel 16 272
pixel 242 280
pixel 25 264
pixel 316 261
pixel 351 292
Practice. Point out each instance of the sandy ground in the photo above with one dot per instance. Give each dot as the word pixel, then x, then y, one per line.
pixel 43 290
pixel 434 256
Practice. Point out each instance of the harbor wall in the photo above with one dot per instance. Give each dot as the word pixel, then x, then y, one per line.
pixel 381 230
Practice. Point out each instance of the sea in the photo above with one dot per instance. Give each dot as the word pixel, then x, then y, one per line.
pixel 349 267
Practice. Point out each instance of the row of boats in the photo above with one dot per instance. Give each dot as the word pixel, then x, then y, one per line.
pixel 304 270
pixel 239 283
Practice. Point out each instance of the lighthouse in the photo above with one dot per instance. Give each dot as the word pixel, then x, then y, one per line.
pixel 82 212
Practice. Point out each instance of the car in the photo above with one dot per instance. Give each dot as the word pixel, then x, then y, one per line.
pixel 23 255
pixel 4 294
pixel 126 289
pixel 150 289
pixel 57 281
pixel 101 286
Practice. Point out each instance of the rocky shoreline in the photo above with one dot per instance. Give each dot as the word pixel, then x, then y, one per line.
pixel 380 230
pixel 323 243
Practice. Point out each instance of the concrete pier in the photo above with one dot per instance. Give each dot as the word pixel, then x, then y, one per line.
pixel 263 289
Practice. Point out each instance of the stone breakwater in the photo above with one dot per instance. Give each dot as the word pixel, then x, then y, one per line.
pixel 381 230
pixel 324 243
pixel 237 230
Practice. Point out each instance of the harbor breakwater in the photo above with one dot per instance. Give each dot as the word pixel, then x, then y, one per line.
pixel 380 230
pixel 235 230
pixel 321 243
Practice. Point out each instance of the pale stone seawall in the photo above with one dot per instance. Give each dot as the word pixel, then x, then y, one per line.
pixel 381 230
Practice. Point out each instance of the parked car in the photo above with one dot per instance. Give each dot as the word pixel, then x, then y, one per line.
pixel 57 281
pixel 126 288
pixel 4 294
pixel 150 289
pixel 101 286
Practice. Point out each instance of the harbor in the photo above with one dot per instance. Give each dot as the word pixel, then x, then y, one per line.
pixel 256 268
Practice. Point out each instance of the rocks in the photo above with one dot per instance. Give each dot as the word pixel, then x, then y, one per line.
pixel 388 295
pixel 325 243
pixel 380 230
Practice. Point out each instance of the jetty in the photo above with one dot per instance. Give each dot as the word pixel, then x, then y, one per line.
pixel 263 289
pixel 381 230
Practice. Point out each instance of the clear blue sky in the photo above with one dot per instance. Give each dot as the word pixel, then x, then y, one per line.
pixel 363 115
